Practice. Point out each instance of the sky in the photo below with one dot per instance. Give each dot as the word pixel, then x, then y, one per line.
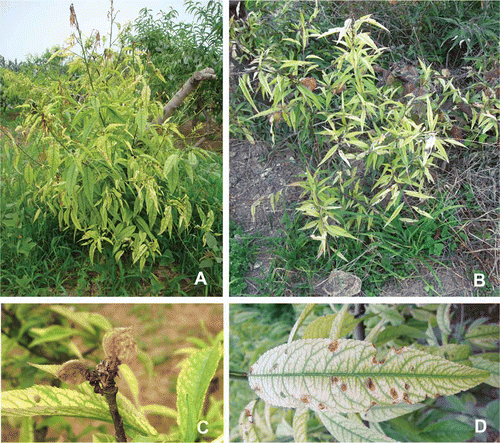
pixel 31 27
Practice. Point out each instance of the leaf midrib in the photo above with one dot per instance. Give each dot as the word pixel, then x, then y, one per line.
pixel 371 374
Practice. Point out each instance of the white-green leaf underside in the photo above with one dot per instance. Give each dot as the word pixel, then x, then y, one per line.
pixel 348 376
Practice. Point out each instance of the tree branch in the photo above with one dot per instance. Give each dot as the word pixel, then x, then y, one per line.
pixel 188 87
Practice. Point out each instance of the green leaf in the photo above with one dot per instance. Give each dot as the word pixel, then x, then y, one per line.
pixel 394 214
pixel 88 184
pixel 53 159
pixel 98 437
pixel 160 410
pixel 300 424
pixel 171 171
pixel 346 376
pixel 448 430
pixel 492 366
pixel 192 385
pixel 53 333
pixel 26 430
pixel 28 174
pixel 443 321
pixel 80 318
pixel 320 327
pixel 70 177
pixel 89 125
pixel 393 332
pixel 307 310
pixel 245 91
pixel 344 429
pixel 131 380
pixel 140 121
pixel 484 336
pixel 453 352
pixel 337 231
pixel 417 195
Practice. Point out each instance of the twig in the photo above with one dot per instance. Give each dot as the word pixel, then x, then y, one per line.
pixel 110 395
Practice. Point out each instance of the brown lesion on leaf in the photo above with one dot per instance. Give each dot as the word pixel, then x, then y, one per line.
pixel 397 350
pixel 407 386
pixel 343 387
pixel 406 398
pixel 249 415
pixel 334 380
pixel 437 395
pixel 306 398
pixel 369 384
pixel 332 347
pixel 377 362
pixel 321 407
pixel 394 393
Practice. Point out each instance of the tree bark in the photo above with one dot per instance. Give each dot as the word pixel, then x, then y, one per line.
pixel 181 94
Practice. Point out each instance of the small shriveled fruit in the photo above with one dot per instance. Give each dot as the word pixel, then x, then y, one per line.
pixel 74 372
pixel 120 343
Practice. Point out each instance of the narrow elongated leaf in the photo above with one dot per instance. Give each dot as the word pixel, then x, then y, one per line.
pixel 88 184
pixel 348 376
pixel 71 176
pixel 140 121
